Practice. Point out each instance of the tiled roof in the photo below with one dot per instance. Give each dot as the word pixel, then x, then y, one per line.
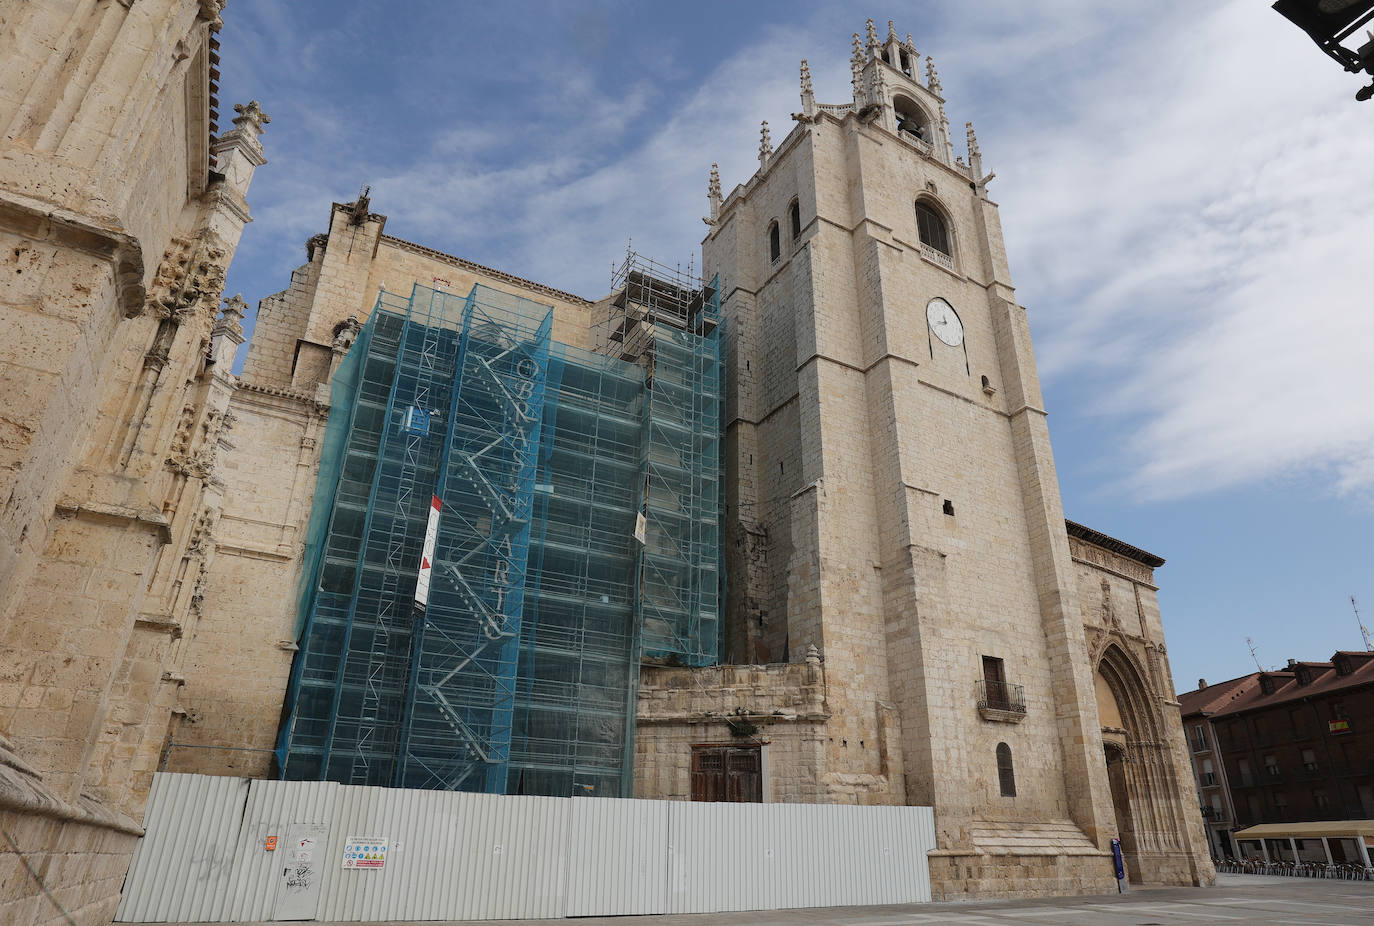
pixel 1108 542
pixel 1213 698
pixel 1325 681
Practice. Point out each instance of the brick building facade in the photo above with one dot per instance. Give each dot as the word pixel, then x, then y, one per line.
pixel 1284 746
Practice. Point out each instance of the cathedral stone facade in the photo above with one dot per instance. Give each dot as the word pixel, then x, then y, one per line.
pixel 121 204
pixel 909 620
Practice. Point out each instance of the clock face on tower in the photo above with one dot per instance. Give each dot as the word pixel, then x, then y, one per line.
pixel 944 322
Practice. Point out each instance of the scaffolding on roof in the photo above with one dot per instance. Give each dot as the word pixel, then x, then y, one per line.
pixel 668 321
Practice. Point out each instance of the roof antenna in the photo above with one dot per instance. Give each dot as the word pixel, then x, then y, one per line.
pixel 1251 643
pixel 1364 631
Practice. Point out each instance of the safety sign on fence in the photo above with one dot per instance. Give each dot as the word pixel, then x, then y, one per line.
pixel 365 852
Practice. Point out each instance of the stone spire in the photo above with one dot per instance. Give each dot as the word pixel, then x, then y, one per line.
pixel 238 152
pixel 872 35
pixel 892 46
pixel 713 194
pixel 877 95
pixel 975 156
pixel 227 333
pixel 856 68
pixel 250 117
pixel 808 94
pixel 932 77
pixel 765 146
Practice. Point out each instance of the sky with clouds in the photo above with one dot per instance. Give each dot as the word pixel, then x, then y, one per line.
pixel 1184 189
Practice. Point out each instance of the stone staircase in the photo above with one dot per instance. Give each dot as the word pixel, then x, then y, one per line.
pixel 1053 837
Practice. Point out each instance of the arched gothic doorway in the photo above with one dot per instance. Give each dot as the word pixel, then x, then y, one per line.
pixel 1139 771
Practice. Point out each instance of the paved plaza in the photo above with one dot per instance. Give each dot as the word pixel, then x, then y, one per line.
pixel 1243 900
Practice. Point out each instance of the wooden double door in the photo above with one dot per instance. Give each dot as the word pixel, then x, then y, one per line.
pixel 727 773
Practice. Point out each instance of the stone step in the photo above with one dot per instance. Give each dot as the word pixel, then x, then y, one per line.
pixel 1053 836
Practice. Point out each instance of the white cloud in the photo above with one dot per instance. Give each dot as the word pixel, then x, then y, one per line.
pixel 1181 188
pixel 1188 226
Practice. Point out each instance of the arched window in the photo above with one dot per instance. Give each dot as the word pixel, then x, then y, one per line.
pixel 1006 775
pixel 912 119
pixel 794 212
pixel 932 229
pixel 774 241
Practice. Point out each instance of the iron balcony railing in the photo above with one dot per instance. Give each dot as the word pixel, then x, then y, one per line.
pixel 1000 696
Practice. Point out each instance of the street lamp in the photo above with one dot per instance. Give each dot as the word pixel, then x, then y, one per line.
pixel 1330 22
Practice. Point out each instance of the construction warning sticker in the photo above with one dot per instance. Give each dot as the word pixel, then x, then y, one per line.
pixel 365 852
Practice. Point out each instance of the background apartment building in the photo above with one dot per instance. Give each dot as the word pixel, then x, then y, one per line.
pixel 1285 746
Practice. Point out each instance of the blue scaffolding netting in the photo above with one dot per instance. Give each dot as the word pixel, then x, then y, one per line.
pixel 577 530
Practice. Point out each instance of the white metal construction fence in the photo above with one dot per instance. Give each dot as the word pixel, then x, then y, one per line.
pixel 231 849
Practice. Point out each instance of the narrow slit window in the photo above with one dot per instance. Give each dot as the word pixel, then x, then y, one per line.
pixel 774 242
pixel 1006 775
pixel 794 212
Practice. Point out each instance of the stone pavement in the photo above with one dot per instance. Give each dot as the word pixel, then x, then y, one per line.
pixel 1235 900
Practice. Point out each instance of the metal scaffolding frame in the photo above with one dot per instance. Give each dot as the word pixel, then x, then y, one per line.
pixel 668 322
pixel 463 669
pixel 578 532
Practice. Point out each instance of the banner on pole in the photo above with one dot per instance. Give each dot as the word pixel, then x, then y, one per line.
pixel 427 554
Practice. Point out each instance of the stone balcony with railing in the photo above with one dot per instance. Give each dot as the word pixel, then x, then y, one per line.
pixel 916 141
pixel 1001 702
pixel 937 256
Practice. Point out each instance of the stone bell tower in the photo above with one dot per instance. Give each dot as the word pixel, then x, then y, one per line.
pixel 892 497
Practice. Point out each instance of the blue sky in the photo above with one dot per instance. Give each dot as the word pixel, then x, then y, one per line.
pixel 1183 186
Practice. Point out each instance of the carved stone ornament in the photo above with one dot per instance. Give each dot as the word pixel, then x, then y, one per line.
pixel 231 316
pixel 190 278
pixel 181 440
pixel 250 117
pixel 345 333
pixel 210 11
pixel 713 196
pixel 1109 618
